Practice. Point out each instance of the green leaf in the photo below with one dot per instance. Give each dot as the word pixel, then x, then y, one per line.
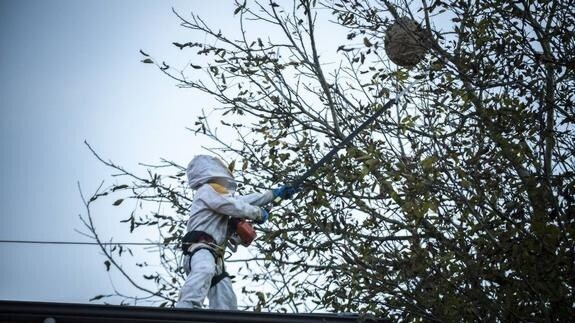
pixel 95 298
pixel 366 42
pixel 261 297
pixel 239 8
pixel 119 187
pixel 428 162
pixel 400 75
pixel 232 166
pixel 118 202
pixel 107 263
pixel 148 61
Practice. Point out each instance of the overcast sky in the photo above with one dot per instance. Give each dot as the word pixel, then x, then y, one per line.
pixel 71 71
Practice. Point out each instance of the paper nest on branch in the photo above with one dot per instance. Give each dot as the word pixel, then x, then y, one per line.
pixel 405 42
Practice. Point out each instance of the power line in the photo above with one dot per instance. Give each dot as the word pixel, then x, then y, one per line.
pixel 87 243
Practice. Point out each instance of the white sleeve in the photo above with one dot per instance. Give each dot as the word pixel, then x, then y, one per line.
pixel 258 199
pixel 228 205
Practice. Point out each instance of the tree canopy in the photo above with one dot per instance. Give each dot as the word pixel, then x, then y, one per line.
pixel 456 204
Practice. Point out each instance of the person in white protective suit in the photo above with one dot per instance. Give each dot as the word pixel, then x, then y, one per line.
pixel 214 210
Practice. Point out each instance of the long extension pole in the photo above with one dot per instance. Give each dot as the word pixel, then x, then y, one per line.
pixel 329 156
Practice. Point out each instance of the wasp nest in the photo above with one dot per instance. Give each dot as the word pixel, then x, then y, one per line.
pixel 405 42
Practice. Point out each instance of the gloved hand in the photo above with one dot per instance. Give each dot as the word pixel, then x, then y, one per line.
pixel 285 192
pixel 265 216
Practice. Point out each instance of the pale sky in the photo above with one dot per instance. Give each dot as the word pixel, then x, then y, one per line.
pixel 71 71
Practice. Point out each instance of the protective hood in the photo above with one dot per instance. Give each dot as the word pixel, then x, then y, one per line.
pixel 203 169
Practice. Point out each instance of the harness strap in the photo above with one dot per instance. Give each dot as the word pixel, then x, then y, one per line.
pixel 219 278
pixel 217 258
pixel 194 237
pixel 195 247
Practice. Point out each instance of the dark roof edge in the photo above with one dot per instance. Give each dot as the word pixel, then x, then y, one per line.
pixel 23 311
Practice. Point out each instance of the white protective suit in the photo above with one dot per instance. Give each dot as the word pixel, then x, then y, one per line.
pixel 210 213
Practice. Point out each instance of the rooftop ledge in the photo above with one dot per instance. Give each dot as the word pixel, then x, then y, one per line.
pixel 43 312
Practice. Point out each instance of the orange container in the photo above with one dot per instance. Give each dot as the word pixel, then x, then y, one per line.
pixel 246 232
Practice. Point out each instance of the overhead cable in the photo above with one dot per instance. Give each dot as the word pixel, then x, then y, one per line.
pixel 87 243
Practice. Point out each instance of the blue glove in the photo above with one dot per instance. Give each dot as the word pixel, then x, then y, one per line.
pixel 265 216
pixel 285 192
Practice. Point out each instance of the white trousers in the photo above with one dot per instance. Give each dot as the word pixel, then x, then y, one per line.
pixel 201 268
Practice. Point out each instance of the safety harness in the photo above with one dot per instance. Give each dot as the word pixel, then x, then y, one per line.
pixel 195 241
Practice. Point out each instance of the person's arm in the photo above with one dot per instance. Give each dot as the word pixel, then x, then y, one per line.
pixel 228 205
pixel 261 199
pixel 257 199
